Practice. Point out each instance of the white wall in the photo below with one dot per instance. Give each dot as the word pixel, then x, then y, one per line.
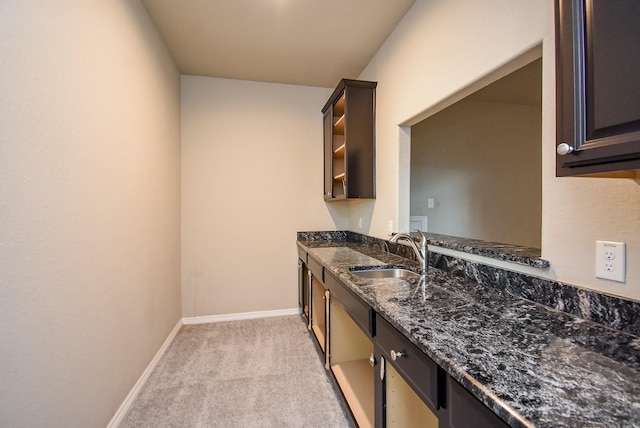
pixel 89 207
pixel 442 47
pixel 252 169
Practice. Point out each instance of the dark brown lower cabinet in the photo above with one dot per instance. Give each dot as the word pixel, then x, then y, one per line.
pixel 385 380
pixel 467 411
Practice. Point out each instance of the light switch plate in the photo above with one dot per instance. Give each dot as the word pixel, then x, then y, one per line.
pixel 611 260
pixel 419 222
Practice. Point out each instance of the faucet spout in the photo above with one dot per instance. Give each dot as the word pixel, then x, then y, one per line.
pixel 422 252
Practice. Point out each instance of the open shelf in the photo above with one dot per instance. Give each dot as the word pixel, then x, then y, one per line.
pixel 404 407
pixel 349 353
pixel 356 382
pixel 338 128
pixel 338 107
pixel 339 186
pixel 339 152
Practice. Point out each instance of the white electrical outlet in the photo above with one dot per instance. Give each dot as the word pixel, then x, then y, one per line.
pixel 610 260
pixel 360 223
pixel 390 227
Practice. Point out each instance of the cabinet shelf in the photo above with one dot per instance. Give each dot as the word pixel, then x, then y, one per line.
pixel 340 150
pixel 339 124
pixel 356 382
pixel 339 176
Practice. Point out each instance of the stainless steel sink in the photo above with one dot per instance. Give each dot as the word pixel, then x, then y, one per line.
pixel 382 273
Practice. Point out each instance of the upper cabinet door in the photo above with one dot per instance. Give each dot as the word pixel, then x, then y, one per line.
pixel 598 87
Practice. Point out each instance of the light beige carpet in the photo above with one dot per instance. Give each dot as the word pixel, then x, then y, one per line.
pixel 251 373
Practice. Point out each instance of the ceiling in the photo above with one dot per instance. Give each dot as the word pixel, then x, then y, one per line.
pixel 300 42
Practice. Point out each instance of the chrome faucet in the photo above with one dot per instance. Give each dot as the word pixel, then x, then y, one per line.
pixel 422 252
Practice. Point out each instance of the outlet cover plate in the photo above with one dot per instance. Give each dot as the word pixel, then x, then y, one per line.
pixel 611 260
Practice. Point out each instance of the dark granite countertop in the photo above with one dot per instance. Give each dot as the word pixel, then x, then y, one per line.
pixel 533 365
pixel 495 250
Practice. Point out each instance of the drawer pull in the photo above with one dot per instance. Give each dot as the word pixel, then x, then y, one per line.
pixel 395 355
pixel 372 360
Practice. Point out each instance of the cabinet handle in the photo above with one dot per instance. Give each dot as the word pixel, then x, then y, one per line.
pixel 564 149
pixel 310 297
pixel 395 355
pixel 372 360
pixel 300 284
pixel 327 329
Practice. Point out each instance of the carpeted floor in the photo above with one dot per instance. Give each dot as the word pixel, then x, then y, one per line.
pixel 250 373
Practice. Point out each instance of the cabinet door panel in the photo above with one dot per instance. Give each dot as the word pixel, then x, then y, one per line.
pixel 613 61
pixel 359 135
pixel 598 87
pixel 418 370
pixel 466 410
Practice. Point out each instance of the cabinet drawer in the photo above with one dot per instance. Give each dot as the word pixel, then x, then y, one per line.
pixel 466 410
pixel 316 268
pixel 418 370
pixel 302 254
pixel 359 311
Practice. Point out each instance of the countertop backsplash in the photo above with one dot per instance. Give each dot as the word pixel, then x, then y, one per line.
pixel 611 311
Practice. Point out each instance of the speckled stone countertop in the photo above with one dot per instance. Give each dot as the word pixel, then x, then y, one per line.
pixel 532 365
pixel 495 250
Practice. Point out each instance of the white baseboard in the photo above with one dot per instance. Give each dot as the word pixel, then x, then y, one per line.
pixel 124 407
pixel 240 316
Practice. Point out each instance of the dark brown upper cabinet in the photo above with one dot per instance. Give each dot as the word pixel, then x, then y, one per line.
pixel 598 87
pixel 349 141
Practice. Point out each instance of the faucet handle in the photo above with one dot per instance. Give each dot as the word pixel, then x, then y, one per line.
pixel 424 250
pixel 423 239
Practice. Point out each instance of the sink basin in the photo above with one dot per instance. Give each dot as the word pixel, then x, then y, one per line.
pixel 387 273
